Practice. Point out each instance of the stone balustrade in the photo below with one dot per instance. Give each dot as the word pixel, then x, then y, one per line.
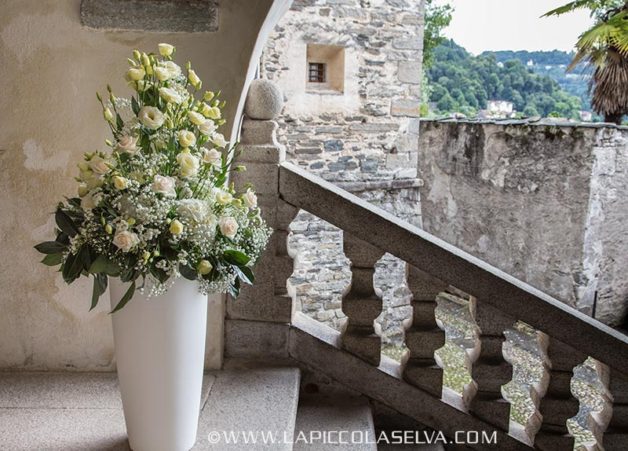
pixel 266 325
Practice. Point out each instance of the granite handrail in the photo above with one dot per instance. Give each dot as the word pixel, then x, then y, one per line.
pixel 452 266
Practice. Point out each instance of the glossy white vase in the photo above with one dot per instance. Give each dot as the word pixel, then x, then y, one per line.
pixel 160 347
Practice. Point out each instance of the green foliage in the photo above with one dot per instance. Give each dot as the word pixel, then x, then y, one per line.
pixel 437 18
pixel 462 83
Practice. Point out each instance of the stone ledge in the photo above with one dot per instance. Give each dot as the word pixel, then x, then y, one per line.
pixel 189 16
pixel 395 184
pixel 529 121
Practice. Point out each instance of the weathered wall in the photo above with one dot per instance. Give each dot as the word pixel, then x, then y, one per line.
pixel 51 69
pixel 543 202
pixel 364 139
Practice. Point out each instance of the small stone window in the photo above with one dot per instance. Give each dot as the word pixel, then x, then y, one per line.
pixel 316 73
pixel 325 68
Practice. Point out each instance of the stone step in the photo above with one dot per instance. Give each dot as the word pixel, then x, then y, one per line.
pixel 324 423
pixel 254 407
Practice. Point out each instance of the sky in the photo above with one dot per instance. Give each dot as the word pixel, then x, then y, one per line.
pixel 480 25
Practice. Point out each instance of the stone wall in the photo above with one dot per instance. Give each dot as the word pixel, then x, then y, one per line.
pixel 544 202
pixel 364 139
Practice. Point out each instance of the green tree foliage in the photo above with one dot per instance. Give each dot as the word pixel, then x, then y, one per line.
pixel 463 83
pixel 437 18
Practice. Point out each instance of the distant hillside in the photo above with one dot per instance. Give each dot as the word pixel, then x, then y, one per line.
pixel 461 82
pixel 552 64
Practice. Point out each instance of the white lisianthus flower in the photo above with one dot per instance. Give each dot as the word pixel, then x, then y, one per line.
pixel 173 68
pixel 120 183
pixel 223 197
pixel 212 156
pixel 99 165
pixel 186 138
pixel 151 117
pixel 162 73
pixel 193 78
pixel 89 202
pixel 164 185
pixel 165 49
pixel 196 118
pixel 212 112
pixel 95 181
pixel 250 199
pixel 125 240
pixel 136 73
pixel 170 95
pixel 207 127
pixel 219 140
pixel 127 144
pixel 228 226
pixel 188 164
pixel 82 190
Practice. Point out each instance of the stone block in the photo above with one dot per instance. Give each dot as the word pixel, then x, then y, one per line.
pixel 261 154
pixel 409 72
pixel 151 15
pixel 258 132
pixel 405 107
pixel 263 176
pixel 255 339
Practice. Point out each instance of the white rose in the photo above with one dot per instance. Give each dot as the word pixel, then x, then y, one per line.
pixel 165 49
pixel 170 95
pixel 250 199
pixel 223 197
pixel 219 140
pixel 162 73
pixel 151 117
pixel 212 156
pixel 127 144
pixel 125 240
pixel 188 164
pixel 99 165
pixel 173 68
pixel 207 127
pixel 196 118
pixel 164 185
pixel 228 226
pixel 186 138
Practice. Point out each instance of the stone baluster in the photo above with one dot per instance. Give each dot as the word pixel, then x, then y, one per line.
pixel 267 299
pixel 423 336
pixel 558 405
pixel 361 303
pixel 616 436
pixel 491 371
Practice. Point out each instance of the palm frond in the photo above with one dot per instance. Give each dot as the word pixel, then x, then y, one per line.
pixel 569 7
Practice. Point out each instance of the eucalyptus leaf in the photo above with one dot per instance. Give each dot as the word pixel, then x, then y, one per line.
pixel 245 274
pixel 236 257
pixel 103 265
pixel 52 259
pixel 65 223
pixel 50 247
pixel 188 272
pixel 126 298
pixel 100 286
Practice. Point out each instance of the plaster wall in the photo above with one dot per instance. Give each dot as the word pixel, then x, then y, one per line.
pixel 51 68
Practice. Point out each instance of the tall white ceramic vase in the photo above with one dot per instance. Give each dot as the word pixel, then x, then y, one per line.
pixel 160 347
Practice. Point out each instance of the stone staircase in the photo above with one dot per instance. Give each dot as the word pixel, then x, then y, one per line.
pixel 49 411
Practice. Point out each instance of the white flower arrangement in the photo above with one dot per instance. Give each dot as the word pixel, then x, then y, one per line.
pixel 157 205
